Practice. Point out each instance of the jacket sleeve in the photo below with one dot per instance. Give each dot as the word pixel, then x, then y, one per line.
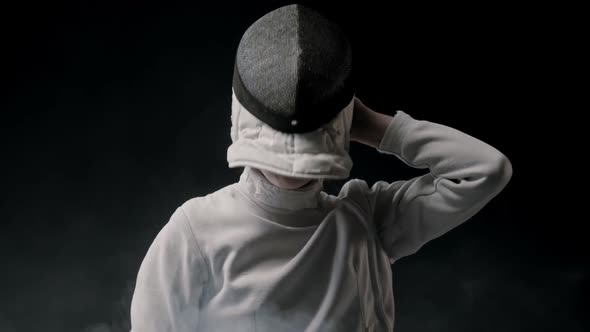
pixel 170 281
pixel 465 174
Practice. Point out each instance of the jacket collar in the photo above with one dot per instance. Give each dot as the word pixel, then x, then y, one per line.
pixel 258 187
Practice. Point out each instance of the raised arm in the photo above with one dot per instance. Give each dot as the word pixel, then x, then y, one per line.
pixel 465 174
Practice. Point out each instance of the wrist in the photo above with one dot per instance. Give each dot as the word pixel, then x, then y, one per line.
pixel 376 126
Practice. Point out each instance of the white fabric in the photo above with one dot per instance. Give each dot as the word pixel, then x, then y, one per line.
pixel 253 257
pixel 320 154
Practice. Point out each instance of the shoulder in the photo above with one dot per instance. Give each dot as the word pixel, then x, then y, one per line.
pixel 354 187
pixel 354 192
pixel 205 212
pixel 370 197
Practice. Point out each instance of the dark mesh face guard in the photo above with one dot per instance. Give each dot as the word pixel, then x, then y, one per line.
pixel 293 70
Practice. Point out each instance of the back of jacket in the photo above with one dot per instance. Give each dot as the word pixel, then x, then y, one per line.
pixel 256 257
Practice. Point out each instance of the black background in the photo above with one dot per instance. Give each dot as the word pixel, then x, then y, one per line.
pixel 115 113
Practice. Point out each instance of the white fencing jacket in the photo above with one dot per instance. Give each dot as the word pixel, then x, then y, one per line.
pixel 253 257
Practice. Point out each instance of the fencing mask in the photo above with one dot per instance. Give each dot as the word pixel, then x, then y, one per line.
pixel 292 97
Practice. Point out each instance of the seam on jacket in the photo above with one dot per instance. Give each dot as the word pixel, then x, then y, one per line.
pixel 435 184
pixel 436 181
pixel 198 248
pixel 355 204
pixel 365 212
pixel 377 242
pixel 368 202
pixel 377 227
pixel 361 304
pixel 410 163
pixel 371 212
pixel 255 323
